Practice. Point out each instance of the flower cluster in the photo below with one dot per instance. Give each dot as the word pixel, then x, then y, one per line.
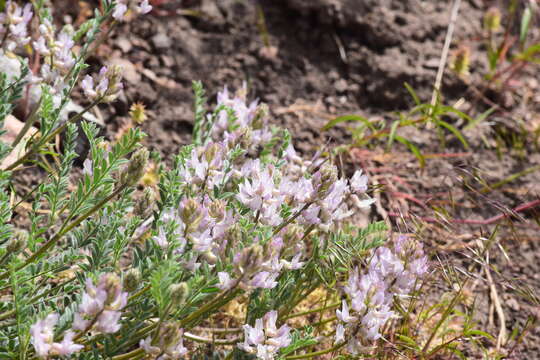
pixel 138 6
pixel 265 339
pixel 43 339
pixel 14 24
pixel 392 272
pixel 56 50
pixel 169 343
pixel 287 196
pixel 105 87
pixel 99 312
pixel 100 307
pixel 249 121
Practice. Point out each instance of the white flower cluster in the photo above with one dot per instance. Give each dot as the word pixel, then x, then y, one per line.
pixel 169 343
pixel 14 23
pixel 98 312
pixel 122 7
pixel 392 272
pixel 208 226
pixel 43 339
pixel 265 339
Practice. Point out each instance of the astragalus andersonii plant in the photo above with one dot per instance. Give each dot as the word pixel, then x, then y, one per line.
pixel 103 266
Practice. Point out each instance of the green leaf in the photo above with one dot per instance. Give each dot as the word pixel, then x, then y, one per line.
pixel 392 134
pixel 457 352
pixel 346 118
pixel 529 53
pixel 409 341
pixel 454 131
pixel 413 149
pixel 483 116
pixel 413 93
pixel 524 27
pixel 210 290
pixel 479 333
pixel 450 109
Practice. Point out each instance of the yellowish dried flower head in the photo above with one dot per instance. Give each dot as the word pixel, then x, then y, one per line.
pixel 137 112
pixel 492 19
pixel 461 62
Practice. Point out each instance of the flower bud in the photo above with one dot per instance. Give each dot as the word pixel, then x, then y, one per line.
pixel 18 242
pixel 144 206
pixel 210 257
pixel 245 139
pixel 461 61
pixel 132 279
pixel 233 235
pixel 324 178
pixel 179 293
pixel 260 115
pixel 211 151
pixel 136 167
pixel 293 234
pixel 250 259
pixel 217 210
pixel 170 334
pixel 114 76
pixel 191 213
pixel 492 19
pixel 111 284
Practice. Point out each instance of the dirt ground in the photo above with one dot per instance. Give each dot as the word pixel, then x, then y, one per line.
pixel 319 59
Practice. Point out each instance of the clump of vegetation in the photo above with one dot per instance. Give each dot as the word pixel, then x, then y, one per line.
pixel 104 265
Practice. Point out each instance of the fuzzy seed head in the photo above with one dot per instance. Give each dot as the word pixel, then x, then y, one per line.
pixel 179 293
pixel 461 61
pixel 18 242
pixel 136 167
pixel 132 280
pixel 492 19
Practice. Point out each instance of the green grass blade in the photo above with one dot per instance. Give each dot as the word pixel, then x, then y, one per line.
pixel 454 131
pixel 413 93
pixel 525 22
pixel 346 118
pixel 480 118
pixel 392 135
pixel 413 149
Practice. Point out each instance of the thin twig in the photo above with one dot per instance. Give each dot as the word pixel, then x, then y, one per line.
pixel 444 54
pixel 501 339
pixel 489 221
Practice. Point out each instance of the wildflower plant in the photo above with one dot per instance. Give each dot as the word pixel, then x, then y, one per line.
pixel 101 266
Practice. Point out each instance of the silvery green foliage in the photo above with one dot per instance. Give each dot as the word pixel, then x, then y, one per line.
pixel 98 269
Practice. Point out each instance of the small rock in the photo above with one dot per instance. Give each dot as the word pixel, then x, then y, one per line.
pixel 210 9
pixel 341 85
pixel 13 127
pixel 268 52
pixel 432 63
pixel 513 304
pixel 161 41
pixel 167 61
pixel 124 44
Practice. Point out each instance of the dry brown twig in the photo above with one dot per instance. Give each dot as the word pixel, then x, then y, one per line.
pixel 444 54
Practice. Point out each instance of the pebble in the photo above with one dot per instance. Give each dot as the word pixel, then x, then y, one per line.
pixel 161 41
pixel 341 85
pixel 124 44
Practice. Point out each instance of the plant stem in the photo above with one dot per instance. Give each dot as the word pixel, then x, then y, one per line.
pixel 65 229
pixel 317 353
pixel 129 355
pixel 328 307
